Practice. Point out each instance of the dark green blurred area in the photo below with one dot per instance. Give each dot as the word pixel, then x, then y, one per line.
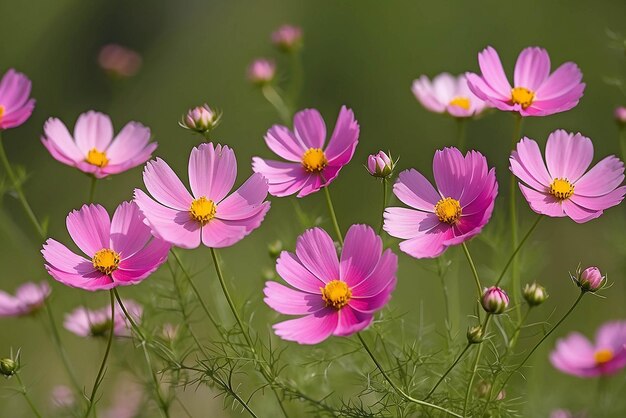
pixel 363 54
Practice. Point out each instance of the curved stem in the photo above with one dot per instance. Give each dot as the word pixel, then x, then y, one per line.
pixel 92 189
pixel 517 330
pixel 459 357
pixel 101 371
pixel 333 216
pixel 519 247
pixel 470 384
pixel 460 133
pixel 20 193
pixel 275 99
pixel 396 388
pixel 517 128
pixel 382 214
pixel 24 393
pixel 479 288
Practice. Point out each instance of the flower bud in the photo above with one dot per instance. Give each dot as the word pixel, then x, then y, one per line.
pixel 287 38
pixel 620 115
pixel 380 165
pixel 494 300
pixel 201 119
pixel 484 391
pixel 8 367
pixel 169 332
pixel 534 294
pixel 475 334
pixel 590 280
pixel 261 71
pixel 275 248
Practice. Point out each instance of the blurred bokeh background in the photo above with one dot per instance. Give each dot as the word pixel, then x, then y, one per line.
pixel 364 54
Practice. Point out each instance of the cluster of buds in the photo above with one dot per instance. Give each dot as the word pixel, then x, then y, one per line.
pixel 287 38
pixel 494 300
pixel 380 165
pixel 262 71
pixel 589 280
pixel 475 334
pixel 534 294
pixel 201 119
pixel 620 116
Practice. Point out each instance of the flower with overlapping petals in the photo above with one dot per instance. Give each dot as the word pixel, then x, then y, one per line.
pixel 97 323
pixel 28 298
pixel 16 106
pixel 448 94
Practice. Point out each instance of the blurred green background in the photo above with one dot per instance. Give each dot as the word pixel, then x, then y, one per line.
pixel 364 54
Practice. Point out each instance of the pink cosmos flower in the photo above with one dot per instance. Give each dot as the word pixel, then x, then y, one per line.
pixel 120 251
pixel 96 323
pixel 334 297
pixel 93 150
pixel 577 356
pixel 28 298
pixel 535 92
pixel 62 397
pixel 309 166
pixel 448 94
pixel 451 214
pixel 620 115
pixel 209 215
pixel 287 38
pixel 128 399
pixel 563 188
pixel 261 71
pixel 15 105
pixel 119 61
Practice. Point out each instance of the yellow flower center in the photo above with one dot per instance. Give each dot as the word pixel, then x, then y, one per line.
pixel 561 188
pixel 97 158
pixel 314 160
pixel 1 111
pixel 336 294
pixel 106 261
pixel 603 356
pixel 203 210
pixel 462 102
pixel 448 210
pixel 522 96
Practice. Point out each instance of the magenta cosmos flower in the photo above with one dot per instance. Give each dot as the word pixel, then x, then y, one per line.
pixel 448 94
pixel 309 166
pixel 209 215
pixel 96 323
pixel 577 356
pixel 120 251
pixel 15 104
pixel 563 188
pixel 93 150
pixel 535 92
pixel 451 214
pixel 333 296
pixel 28 298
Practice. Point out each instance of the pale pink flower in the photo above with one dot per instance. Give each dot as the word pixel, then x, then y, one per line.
pixel 96 323
pixel 128 399
pixel 62 397
pixel 287 38
pixel 119 61
pixel 261 71
pixel 16 106
pixel 448 94
pixel 28 298
pixel 620 115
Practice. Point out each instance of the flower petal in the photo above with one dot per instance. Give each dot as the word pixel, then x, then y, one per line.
pixel 89 228
pixel 283 178
pixel 283 142
pixel 603 178
pixel 493 73
pixel 128 143
pixel 310 329
pixel 407 223
pixel 291 270
pixel 532 68
pixel 449 172
pixel 309 128
pixel 360 254
pixel 414 190
pixel 317 252
pixel 568 155
pixel 93 130
pixel 245 200
pixel 291 302
pixel 165 186
pixel 212 171
pixel 129 233
pixel 344 138
pixel 351 321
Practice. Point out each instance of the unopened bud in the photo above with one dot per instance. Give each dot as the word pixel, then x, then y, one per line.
pixel 475 334
pixel 620 115
pixel 287 38
pixel 8 367
pixel 275 248
pixel 534 294
pixel 494 300
pixel 261 71
pixel 380 165
pixel 590 279
pixel 201 119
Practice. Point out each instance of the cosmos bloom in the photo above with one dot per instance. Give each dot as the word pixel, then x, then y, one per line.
pixel 261 71
pixel 127 400
pixel 448 94
pixel 563 188
pixel 310 165
pixel 287 38
pixel 96 323
pixel 209 215
pixel 119 61
pixel 121 251
pixel 578 356
pixel 93 150
pixel 28 298
pixel 451 214
pixel 535 92
pixel 332 296
pixel 15 104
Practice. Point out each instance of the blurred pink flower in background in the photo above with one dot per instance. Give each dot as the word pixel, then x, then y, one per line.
pixel 620 115
pixel 122 251
pixel 28 298
pixel 127 400
pixel 334 297
pixel 535 92
pixel 578 356
pixel 119 61
pixel 96 323
pixel 448 94
pixel 93 149
pixel 310 165
pixel 562 188
pixel 16 106
pixel 209 216
pixel 62 397
pixel 287 38
pixel 261 71
pixel 451 214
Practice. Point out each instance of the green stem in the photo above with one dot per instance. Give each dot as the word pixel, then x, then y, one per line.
pixel 470 384
pixel 479 288
pixel 518 329
pixel 20 193
pixel 333 216
pixel 446 298
pixel 92 188
pixel 519 247
pixel 101 371
pixel 396 388
pixel 459 357
pixel 460 133
pixel 622 141
pixel 382 214
pixel 517 129
pixel 24 393
pixel 297 75
pixel 275 99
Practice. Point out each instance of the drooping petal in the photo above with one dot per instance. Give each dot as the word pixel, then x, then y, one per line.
pixel 351 321
pixel 310 329
pixel 309 128
pixel 291 302
pixel 578 213
pixel 165 186
pixel 93 130
pixel 568 155
pixel 429 244
pixel 212 171
pixel 360 254
pixel 317 252
pixel 89 228
pixel 532 68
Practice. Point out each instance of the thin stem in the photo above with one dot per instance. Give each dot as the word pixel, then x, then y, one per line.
pixel 275 99
pixel 519 247
pixel 24 393
pixel 333 216
pixel 101 371
pixel 297 75
pixel 446 297
pixel 518 329
pixel 622 141
pixel 460 133
pixel 382 213
pixel 470 384
pixel 517 129
pixel 92 188
pixel 20 193
pixel 396 388
pixel 479 288
pixel 459 357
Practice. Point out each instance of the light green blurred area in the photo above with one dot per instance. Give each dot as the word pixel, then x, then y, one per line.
pixel 364 54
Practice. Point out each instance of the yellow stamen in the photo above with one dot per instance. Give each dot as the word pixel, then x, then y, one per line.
pixel 448 210
pixel 106 261
pixel 1 111
pixel 522 96
pixel 336 294
pixel 203 210
pixel 603 356
pixel 561 188
pixel 314 160
pixel 462 102
pixel 97 158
